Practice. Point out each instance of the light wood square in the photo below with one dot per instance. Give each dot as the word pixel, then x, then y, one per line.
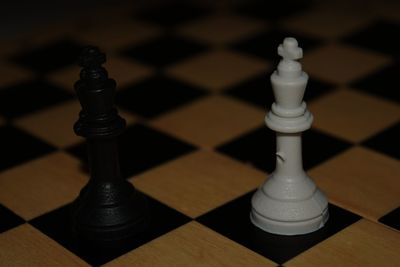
pixel 222 28
pixel 192 245
pixel 211 121
pixel 55 124
pixel 353 115
pixel 12 74
pixel 199 182
pixel 27 246
pixel 327 23
pixel 123 71
pixel 111 35
pixel 361 180
pixel 364 243
pixel 218 69
pixel 340 63
pixel 41 185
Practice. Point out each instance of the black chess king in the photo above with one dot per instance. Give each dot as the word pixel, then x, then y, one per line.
pixel 109 209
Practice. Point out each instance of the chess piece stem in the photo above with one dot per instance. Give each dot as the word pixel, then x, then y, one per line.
pixel 289 156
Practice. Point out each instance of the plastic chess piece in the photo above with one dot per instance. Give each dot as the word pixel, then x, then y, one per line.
pixel 108 209
pixel 289 202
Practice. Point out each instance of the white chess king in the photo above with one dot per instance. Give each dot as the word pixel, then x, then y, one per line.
pixel 289 202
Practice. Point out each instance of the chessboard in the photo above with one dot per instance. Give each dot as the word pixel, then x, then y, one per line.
pixel 193 85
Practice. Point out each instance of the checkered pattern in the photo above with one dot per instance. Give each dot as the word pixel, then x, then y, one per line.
pixel 193 85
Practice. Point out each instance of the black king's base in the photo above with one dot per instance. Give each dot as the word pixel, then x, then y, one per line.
pixel 108 211
pixel 101 222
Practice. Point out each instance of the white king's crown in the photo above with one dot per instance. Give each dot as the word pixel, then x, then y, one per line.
pixel 289 112
pixel 289 81
pixel 290 49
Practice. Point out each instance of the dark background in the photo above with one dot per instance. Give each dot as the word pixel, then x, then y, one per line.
pixel 22 16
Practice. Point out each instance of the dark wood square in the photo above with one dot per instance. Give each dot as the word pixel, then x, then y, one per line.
pixel 140 148
pixel 258 148
pixel 50 57
pixel 28 96
pixel 381 83
pixel 9 219
pixel 385 141
pixel 157 95
pixel 18 147
pixel 258 90
pixel 233 221
pixel 56 225
pixel 265 44
pixel 272 10
pixel 163 51
pixel 384 40
pixel 171 13
pixel 392 219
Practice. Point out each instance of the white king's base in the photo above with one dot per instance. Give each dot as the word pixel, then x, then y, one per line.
pixel 289 216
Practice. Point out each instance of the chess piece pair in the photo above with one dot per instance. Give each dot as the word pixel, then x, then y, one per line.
pixel 110 210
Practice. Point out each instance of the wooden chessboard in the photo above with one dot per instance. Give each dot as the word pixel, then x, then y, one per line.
pixel 193 84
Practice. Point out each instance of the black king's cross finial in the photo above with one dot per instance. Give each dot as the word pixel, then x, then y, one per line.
pixel 91 60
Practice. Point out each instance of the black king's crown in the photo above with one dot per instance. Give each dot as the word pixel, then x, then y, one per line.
pixel 99 117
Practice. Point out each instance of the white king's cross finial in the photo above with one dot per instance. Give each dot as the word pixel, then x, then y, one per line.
pixel 290 50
